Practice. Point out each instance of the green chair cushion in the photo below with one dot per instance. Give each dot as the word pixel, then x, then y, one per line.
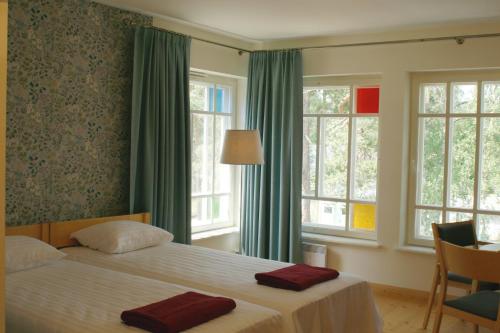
pixel 457 233
pixel 483 304
pixel 482 285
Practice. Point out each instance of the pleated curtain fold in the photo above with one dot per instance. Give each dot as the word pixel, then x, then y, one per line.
pixel 160 168
pixel 271 197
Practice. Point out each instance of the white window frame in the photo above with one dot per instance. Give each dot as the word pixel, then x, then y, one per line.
pixel 418 81
pixel 353 82
pixel 232 84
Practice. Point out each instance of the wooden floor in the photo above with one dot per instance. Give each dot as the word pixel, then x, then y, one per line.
pixel 403 313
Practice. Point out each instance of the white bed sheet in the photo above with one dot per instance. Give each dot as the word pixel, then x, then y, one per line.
pixel 343 305
pixel 71 297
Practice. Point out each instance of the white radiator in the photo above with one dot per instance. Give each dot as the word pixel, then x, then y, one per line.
pixel 314 254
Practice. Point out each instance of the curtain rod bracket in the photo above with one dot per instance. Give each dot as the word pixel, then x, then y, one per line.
pixel 460 40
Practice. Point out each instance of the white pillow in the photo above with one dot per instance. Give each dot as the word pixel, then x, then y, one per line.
pixel 121 236
pixel 22 252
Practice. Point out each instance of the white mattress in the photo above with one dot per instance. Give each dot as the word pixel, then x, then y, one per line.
pixel 343 305
pixel 70 297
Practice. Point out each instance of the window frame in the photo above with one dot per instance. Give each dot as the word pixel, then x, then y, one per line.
pixel 353 82
pixel 231 84
pixel 418 81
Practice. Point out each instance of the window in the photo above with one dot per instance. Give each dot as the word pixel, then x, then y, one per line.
pixel 455 149
pixel 340 157
pixel 213 184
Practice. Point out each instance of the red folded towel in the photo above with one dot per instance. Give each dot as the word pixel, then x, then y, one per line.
pixel 178 313
pixel 297 277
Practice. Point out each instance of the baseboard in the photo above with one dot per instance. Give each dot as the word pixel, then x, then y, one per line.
pixel 405 292
pixel 408 292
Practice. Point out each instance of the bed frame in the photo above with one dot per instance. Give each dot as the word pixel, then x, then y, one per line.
pixel 58 234
pixel 38 231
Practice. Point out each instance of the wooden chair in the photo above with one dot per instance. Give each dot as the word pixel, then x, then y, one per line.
pixel 481 308
pixel 461 234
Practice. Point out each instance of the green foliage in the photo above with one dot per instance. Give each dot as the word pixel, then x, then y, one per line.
pixel 324 101
pixel 198 97
pixel 431 160
pixel 464 97
pixel 462 150
pixel 434 99
pixel 462 161
pixel 333 175
pixel 333 139
pixel 310 133
pixel 365 162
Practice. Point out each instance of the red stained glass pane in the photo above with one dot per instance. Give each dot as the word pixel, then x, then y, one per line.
pixel 367 100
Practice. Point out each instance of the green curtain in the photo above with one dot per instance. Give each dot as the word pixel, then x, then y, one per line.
pixel 160 168
pixel 271 213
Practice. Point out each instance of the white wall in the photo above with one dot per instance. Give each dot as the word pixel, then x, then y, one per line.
pixel 394 63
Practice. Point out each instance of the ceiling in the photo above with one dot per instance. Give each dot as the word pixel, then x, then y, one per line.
pixel 279 19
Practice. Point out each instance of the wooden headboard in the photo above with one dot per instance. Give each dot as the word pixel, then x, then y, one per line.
pixel 38 231
pixel 59 232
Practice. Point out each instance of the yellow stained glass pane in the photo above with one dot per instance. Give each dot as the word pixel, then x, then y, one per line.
pixel 363 216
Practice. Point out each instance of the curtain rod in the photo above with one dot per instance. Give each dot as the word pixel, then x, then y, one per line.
pixel 239 49
pixel 459 39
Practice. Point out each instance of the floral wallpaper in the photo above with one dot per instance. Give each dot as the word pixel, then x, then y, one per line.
pixel 68 109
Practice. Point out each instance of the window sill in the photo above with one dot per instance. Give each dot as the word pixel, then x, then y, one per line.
pixel 214 233
pixel 417 249
pixel 340 240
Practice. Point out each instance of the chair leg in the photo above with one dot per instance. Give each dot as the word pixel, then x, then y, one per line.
pixel 497 328
pixel 437 321
pixel 432 296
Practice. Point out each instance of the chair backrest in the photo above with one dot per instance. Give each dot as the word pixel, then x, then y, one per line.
pixel 472 263
pixel 458 233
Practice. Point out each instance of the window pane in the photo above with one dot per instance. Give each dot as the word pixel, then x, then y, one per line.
pixel 309 156
pixel 202 154
pixel 365 146
pixel 363 216
pixel 220 209
pixel 326 213
pixel 201 96
pixel 201 211
pixel 464 98
pixel 222 179
pixel 423 221
pixel 333 162
pixel 328 100
pixel 489 178
pixel 462 156
pixel 488 228
pixel 458 216
pixel 222 102
pixel 434 98
pixel 367 100
pixel 491 97
pixel 430 161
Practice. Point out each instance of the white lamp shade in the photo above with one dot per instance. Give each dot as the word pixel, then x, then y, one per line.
pixel 242 147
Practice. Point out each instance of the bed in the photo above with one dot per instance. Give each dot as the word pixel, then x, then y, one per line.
pixel 71 297
pixel 342 305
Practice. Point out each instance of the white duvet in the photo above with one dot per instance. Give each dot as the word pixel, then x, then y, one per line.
pixel 343 305
pixel 70 297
